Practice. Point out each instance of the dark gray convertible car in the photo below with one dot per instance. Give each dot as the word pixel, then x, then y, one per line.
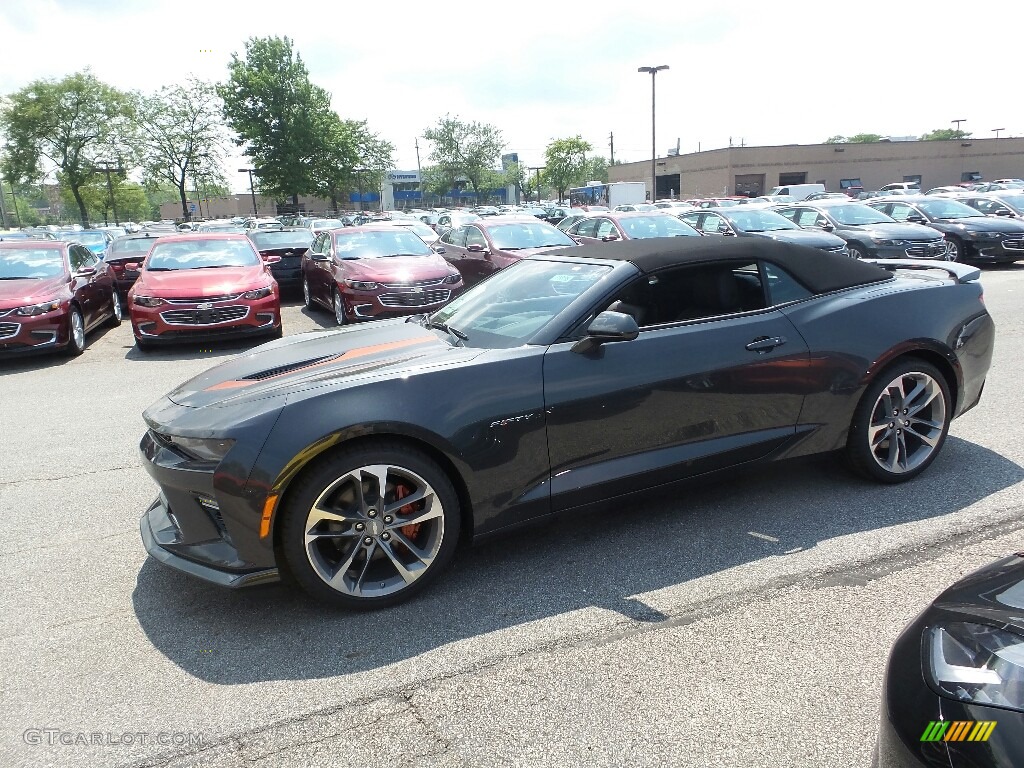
pixel 358 459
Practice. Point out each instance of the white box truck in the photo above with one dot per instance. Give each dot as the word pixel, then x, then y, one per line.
pixel 609 195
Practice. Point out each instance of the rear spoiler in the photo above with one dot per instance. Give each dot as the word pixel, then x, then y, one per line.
pixel 962 273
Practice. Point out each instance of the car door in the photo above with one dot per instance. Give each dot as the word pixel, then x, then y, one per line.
pixel 453 247
pixel 684 398
pixel 321 270
pixel 585 232
pixel 83 282
pixel 477 259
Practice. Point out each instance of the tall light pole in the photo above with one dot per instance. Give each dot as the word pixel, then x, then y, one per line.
pixel 998 131
pixel 961 120
pixel 252 188
pixel 654 146
pixel 110 187
pixel 538 169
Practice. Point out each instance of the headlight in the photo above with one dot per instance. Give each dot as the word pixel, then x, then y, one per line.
pixel 38 309
pixel 148 301
pixel 201 449
pixel 892 243
pixel 259 293
pixel 361 285
pixel 984 235
pixel 977 663
pixel 453 278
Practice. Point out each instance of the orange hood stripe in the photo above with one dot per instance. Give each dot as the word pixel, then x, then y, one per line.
pixel 351 354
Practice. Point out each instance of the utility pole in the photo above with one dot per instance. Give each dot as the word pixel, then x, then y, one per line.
pixel 611 145
pixel 252 188
pixel 14 202
pixel 419 171
pixel 110 188
pixel 653 71
pixel 3 207
pixel 998 131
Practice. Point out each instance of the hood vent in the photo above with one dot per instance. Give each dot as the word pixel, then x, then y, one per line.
pixel 282 369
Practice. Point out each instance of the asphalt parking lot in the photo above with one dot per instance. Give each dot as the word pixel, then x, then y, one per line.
pixel 736 623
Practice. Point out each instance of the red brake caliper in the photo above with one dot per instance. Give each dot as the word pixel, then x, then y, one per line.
pixel 409 531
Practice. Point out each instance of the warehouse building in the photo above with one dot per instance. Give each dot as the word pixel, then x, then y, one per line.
pixel 754 171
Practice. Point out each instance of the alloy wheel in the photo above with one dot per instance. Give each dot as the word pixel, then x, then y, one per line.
pixel 339 309
pixel 77 331
pixel 907 422
pixel 374 531
pixel 952 251
pixel 305 293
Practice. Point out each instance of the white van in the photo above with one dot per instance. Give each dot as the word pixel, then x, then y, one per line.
pixel 798 191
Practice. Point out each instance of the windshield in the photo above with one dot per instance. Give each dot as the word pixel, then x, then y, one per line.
pixel 509 308
pixel 373 244
pixel 301 239
pixel 527 234
pixel 26 263
pixel 856 215
pixel 201 254
pixel 87 237
pixel 643 227
pixel 131 245
pixel 948 209
pixel 322 224
pixel 758 221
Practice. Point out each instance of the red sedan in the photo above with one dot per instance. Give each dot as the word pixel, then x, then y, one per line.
pixel 201 286
pixel 375 271
pixel 51 294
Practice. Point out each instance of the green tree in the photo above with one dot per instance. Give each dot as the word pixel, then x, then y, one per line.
pixel 837 139
pixel 865 138
pixel 22 213
pixel 183 137
pixel 281 118
pixel 595 169
pixel 566 163
pixel 129 198
pixel 464 149
pixel 71 125
pixel 945 134
pixel 345 146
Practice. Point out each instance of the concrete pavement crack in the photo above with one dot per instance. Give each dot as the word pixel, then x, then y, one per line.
pixel 66 477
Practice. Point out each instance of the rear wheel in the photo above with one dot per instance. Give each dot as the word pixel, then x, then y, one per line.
pixel 76 333
pixel 118 311
pixel 901 422
pixel 307 298
pixel 370 526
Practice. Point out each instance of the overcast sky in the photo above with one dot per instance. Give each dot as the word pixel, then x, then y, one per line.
pixel 761 72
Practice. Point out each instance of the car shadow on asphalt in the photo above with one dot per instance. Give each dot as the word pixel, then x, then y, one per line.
pixel 607 559
pixel 38 361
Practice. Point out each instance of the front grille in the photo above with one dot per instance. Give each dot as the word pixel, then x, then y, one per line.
pixel 415 283
pixel 927 249
pixel 1014 245
pixel 7 330
pixel 204 299
pixel 414 299
pixel 204 316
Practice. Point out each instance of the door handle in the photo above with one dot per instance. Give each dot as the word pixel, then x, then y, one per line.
pixel 766 343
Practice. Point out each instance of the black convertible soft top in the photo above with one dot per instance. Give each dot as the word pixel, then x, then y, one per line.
pixel 817 270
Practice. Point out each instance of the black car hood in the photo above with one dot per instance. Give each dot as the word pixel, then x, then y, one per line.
pixel 897 231
pixel 994 593
pixel 319 358
pixel 803 237
pixel 982 224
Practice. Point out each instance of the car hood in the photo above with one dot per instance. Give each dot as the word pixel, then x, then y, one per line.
pixel 398 269
pixel 897 231
pixel 201 282
pixel 985 224
pixel 802 237
pixel 994 592
pixel 18 293
pixel 320 358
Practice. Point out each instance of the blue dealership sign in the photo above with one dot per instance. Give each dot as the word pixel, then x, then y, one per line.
pixel 411 194
pixel 366 197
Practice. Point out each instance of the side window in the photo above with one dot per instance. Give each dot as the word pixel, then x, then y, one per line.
pixel 691 293
pixel 789 213
pixel 691 219
pixel 782 286
pixel 75 257
pixel 605 228
pixel 457 237
pixel 713 224
pixel 588 227
pixel 807 217
pixel 89 259
pixel 475 237
pixel 900 212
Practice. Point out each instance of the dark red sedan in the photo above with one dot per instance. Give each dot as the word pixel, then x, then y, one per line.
pixel 201 286
pixel 484 247
pixel 638 225
pixel 375 271
pixel 51 294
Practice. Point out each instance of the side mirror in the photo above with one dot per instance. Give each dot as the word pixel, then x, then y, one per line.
pixel 85 272
pixel 478 249
pixel 916 219
pixel 271 258
pixel 609 238
pixel 1005 212
pixel 826 226
pixel 607 326
pixel 438 249
pixel 727 232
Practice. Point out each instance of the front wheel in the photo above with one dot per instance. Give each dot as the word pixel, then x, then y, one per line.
pixel 900 423
pixel 76 333
pixel 117 311
pixel 339 308
pixel 370 526
pixel 307 297
pixel 954 249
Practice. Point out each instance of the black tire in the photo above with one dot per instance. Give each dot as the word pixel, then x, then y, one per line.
pixel 278 332
pixel 955 248
pixel 864 457
pixel 858 251
pixel 143 346
pixel 76 342
pixel 307 297
pixel 340 318
pixel 117 307
pixel 324 475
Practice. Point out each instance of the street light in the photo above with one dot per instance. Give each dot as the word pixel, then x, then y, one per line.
pixel 961 120
pixel 654 151
pixel 110 188
pixel 998 131
pixel 252 189
pixel 538 169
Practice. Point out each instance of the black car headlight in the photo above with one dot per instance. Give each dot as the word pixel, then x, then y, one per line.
pixel 148 301
pixel 259 293
pixel 453 278
pixel 211 449
pixel 892 243
pixel 38 309
pixel 985 235
pixel 976 663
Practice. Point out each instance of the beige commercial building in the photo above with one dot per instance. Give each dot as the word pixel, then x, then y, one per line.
pixel 754 171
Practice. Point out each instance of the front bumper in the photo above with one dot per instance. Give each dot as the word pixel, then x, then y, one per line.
pixel 1004 251
pixel 41 333
pixel 924 249
pixel 187 322
pixel 394 302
